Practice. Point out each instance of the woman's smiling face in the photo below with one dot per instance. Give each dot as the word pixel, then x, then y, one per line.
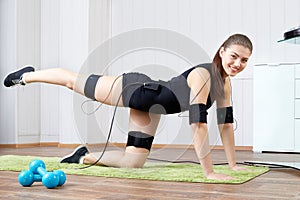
pixel 234 59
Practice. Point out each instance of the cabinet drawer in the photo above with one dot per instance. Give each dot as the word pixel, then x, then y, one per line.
pixel 297 89
pixel 297 71
pixel 297 109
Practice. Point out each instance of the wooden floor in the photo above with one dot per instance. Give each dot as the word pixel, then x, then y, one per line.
pixel 276 184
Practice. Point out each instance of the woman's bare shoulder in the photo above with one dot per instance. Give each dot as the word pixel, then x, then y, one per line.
pixel 198 76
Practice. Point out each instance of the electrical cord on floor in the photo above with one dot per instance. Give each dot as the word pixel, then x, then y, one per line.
pixel 193 162
pixel 173 161
pixel 271 165
pixel 257 164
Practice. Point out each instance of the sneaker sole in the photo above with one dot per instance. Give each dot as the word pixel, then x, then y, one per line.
pixel 69 155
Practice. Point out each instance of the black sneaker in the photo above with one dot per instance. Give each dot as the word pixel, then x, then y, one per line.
pixel 75 156
pixel 15 78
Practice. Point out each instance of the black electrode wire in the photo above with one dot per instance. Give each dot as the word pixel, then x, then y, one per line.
pixel 270 165
pixel 107 140
pixel 111 123
pixel 114 113
pixel 199 91
pixel 195 162
pixel 180 114
pixel 173 161
pixel 101 104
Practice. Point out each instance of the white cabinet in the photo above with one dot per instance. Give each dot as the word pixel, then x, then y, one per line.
pixel 276 107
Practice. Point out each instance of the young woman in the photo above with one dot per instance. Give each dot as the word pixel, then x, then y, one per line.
pixel 194 90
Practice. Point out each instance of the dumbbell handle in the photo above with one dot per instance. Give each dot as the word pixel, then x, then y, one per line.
pixel 42 171
pixel 37 177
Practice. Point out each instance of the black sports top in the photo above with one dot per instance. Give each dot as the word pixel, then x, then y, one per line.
pixel 181 89
pixel 173 96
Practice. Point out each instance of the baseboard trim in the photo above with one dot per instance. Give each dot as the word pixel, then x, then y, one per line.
pixel 120 145
pixel 8 146
pixel 46 144
pixel 237 148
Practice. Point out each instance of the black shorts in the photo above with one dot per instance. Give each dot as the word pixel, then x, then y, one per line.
pixel 142 93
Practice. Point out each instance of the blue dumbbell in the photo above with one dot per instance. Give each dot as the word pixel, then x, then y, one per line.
pixel 49 179
pixel 37 173
pixel 26 178
pixel 62 177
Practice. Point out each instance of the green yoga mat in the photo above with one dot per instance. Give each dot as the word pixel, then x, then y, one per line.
pixel 151 171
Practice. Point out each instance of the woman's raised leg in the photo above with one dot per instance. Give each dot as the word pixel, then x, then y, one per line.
pixel 56 76
pixel 107 89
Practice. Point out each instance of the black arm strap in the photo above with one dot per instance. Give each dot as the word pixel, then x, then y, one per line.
pixel 197 113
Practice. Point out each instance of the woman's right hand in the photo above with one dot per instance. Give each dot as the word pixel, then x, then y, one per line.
pixel 216 176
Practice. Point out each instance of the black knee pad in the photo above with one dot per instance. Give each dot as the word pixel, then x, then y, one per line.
pixel 90 86
pixel 225 115
pixel 139 139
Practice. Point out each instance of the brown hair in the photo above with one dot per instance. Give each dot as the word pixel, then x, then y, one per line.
pixel 218 72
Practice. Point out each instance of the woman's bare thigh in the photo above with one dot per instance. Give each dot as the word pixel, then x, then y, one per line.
pixel 109 89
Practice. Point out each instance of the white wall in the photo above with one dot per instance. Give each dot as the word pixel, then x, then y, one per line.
pixel 62 33
pixel 64 39
pixel 73 51
pixel 209 23
pixel 7 63
pixel 50 54
pixel 28 52
pixel 20 45
pixel 45 34
pixel 70 29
